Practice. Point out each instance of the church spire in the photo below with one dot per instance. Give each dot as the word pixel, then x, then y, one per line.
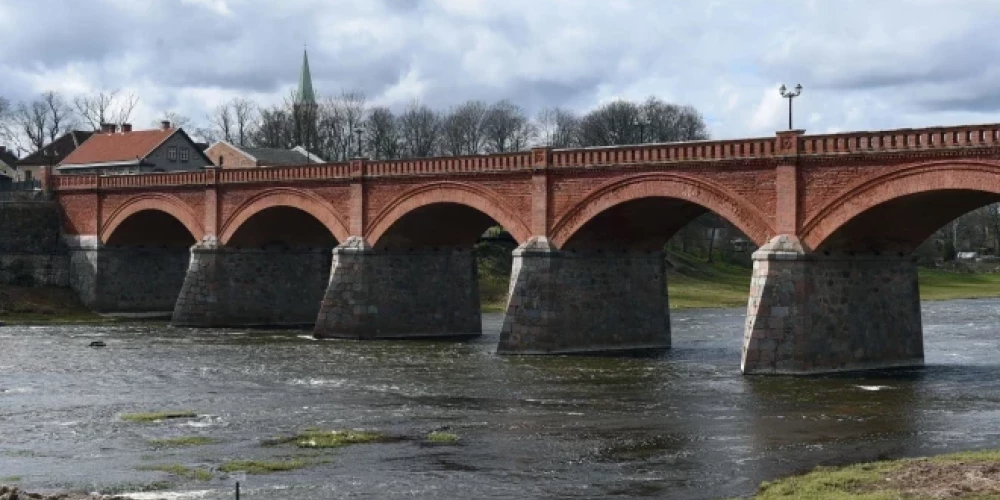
pixel 305 94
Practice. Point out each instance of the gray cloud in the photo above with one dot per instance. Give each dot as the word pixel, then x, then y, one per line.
pixel 864 64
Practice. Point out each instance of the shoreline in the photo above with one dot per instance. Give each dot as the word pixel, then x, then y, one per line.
pixel 970 474
pixel 711 286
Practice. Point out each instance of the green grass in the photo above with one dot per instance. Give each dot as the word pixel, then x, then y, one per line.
pixel 157 416
pixel 10 479
pixel 263 466
pixel 182 441
pixel 331 439
pixel 180 471
pixel 923 477
pixel 944 285
pixel 438 437
pixel 693 283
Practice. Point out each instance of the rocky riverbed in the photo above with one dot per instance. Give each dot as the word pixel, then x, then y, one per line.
pixel 14 493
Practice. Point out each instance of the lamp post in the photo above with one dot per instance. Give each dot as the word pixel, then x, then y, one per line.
pixel 359 130
pixel 790 94
pixel 640 123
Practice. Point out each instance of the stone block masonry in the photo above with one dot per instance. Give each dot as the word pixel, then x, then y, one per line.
pixel 812 313
pixel 31 251
pixel 128 279
pixel 563 302
pixel 252 287
pixel 375 294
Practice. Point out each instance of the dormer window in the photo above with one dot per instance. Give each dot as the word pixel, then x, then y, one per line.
pixel 172 153
pixel 185 154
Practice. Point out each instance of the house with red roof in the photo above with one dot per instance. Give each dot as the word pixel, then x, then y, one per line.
pixel 116 150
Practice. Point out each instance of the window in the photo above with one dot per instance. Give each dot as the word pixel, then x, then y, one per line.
pixel 184 154
pixel 172 153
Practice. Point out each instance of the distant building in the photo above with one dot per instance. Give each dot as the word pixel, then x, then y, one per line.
pixel 226 155
pixel 30 167
pixel 8 162
pixel 305 109
pixel 125 151
pixel 966 255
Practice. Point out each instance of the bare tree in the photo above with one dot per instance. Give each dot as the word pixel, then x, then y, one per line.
pixel 222 122
pixel 276 128
pixel 462 130
pixel 624 122
pixel 419 130
pixel 32 123
pixel 506 127
pixel 557 127
pixel 60 115
pixel 6 127
pixel 245 115
pixel 176 120
pixel 614 123
pixel 340 118
pixel 105 106
pixel 382 131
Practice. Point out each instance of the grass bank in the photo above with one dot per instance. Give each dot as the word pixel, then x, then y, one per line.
pixel 48 305
pixel 691 282
pixel 694 283
pixel 970 475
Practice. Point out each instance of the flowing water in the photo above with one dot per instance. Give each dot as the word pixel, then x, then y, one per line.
pixel 684 425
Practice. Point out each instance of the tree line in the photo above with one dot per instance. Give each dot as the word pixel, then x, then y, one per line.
pixel 342 126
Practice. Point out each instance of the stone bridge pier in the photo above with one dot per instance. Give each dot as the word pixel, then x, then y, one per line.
pixel 564 302
pixel 269 286
pixel 384 294
pixel 126 279
pixel 815 313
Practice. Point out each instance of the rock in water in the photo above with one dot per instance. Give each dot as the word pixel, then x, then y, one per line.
pixel 98 343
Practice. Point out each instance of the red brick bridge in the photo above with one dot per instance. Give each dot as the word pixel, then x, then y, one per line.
pixel 833 288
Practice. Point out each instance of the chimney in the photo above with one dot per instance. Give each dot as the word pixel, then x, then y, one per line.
pixel 126 128
pixel 165 124
pixel 108 128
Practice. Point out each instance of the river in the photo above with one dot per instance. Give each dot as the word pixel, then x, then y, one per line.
pixel 684 425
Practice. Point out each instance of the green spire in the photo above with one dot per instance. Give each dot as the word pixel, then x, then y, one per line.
pixel 305 94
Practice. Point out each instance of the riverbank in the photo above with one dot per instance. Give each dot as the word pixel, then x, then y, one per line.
pixel 14 493
pixel 691 283
pixel 960 475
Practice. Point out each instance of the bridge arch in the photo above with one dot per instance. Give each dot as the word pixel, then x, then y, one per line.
pixel 705 194
pixel 926 195
pixel 305 201
pixel 153 202
pixel 454 193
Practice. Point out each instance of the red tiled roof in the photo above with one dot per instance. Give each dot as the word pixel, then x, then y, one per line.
pixel 104 147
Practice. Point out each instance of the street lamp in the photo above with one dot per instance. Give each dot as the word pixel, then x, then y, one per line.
pixel 790 95
pixel 640 123
pixel 359 131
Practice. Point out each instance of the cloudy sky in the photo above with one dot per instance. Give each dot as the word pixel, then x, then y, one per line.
pixel 865 64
